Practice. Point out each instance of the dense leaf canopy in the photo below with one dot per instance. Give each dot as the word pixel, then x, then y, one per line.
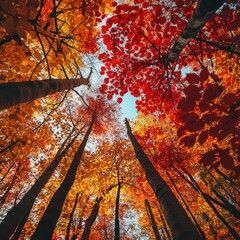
pixel 68 169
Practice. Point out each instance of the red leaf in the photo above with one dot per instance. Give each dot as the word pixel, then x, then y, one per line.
pixel 192 78
pixel 109 96
pixel 181 131
pixel 204 74
pixel 203 106
pixel 209 158
pixel 195 126
pixel 202 138
pixel 189 117
pixel 212 91
pixel 145 5
pixel 189 141
pixel 186 105
pixel 119 100
pixel 209 118
pixel 227 162
pixel 193 92
pixel 230 98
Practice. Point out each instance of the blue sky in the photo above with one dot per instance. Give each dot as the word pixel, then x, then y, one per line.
pixel 129 107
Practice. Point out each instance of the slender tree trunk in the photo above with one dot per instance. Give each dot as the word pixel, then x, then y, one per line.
pixel 187 208
pixel 117 228
pixel 226 191
pixel 14 93
pixel 217 213
pixel 218 46
pixel 3 198
pixel 152 219
pixel 93 215
pixel 71 217
pixel 202 13
pixel 4 176
pixel 80 222
pixel 21 226
pixel 51 215
pixel 17 213
pixel 10 145
pixel 91 219
pixel 233 184
pixel 181 226
pixel 164 224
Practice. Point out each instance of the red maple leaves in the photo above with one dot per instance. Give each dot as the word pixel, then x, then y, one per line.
pixel 208 112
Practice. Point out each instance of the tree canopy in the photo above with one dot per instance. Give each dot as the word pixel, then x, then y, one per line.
pixel 71 167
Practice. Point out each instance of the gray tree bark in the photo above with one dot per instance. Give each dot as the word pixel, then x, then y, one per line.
pixel 19 92
pixel 202 13
pixel 181 226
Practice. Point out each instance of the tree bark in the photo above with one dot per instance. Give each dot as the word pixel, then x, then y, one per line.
pixel 71 217
pixel 91 219
pixel 51 215
pixel 19 92
pixel 202 13
pixel 181 226
pixel 80 222
pixel 165 227
pixel 93 215
pixel 117 228
pixel 152 220
pixel 209 202
pixel 187 208
pixel 16 215
pixel 20 227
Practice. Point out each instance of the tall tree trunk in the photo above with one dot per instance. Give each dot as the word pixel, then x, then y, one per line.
pixel 117 228
pixel 181 226
pixel 80 222
pixel 233 184
pixel 10 145
pixel 51 215
pixel 19 92
pixel 71 217
pixel 226 191
pixel 152 220
pixel 91 219
pixel 187 208
pixel 17 213
pixel 209 202
pixel 93 215
pixel 3 198
pixel 5 175
pixel 224 203
pixel 21 226
pixel 202 13
pixel 165 227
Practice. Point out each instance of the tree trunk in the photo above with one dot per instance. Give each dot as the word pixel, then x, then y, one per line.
pixel 80 222
pixel 51 215
pixel 117 228
pixel 209 202
pixel 17 213
pixel 92 217
pixel 233 184
pixel 21 226
pixel 19 92
pixel 202 13
pixel 165 227
pixel 181 226
pixel 152 220
pixel 187 208
pixel 71 217
pixel 3 198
